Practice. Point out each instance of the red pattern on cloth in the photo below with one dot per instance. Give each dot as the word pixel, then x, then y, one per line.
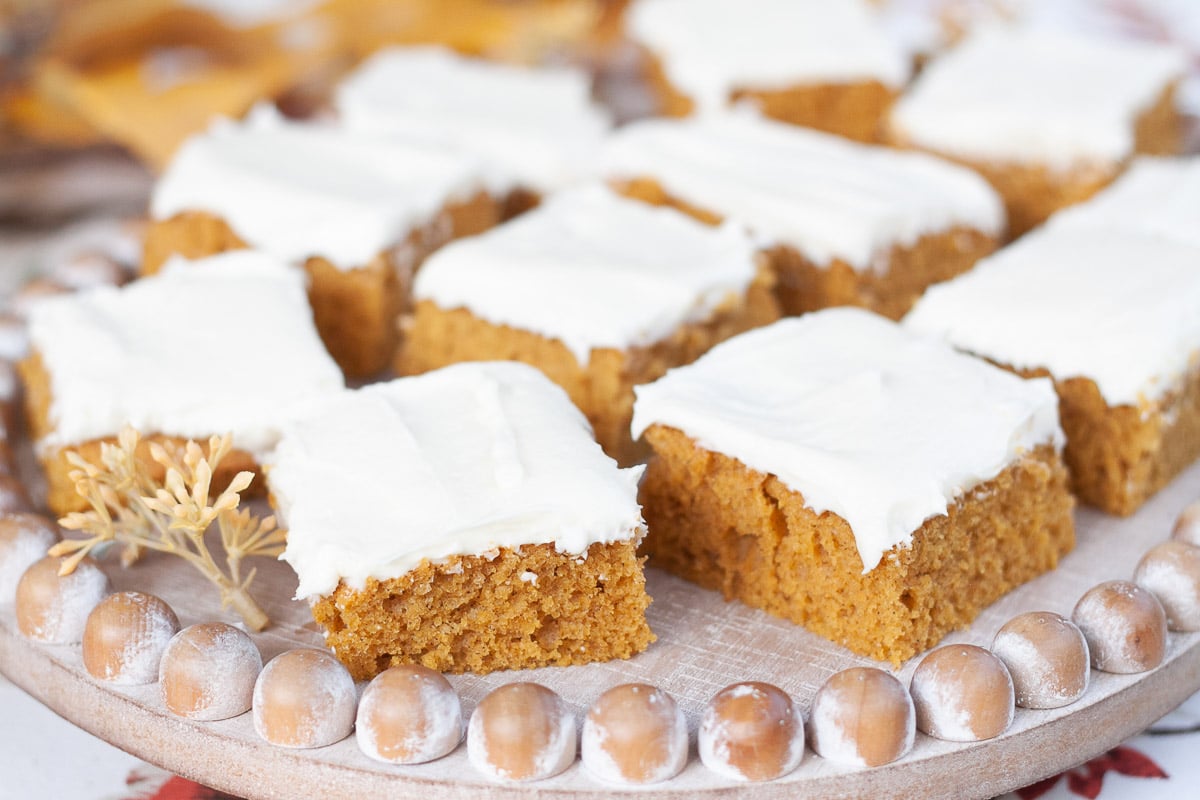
pixel 1088 779
pixel 150 784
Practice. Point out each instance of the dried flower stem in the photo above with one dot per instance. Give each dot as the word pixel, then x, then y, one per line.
pixel 130 507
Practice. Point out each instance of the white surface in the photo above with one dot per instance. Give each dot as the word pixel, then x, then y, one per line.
pixel 827 197
pixel 885 434
pixel 460 461
pixel 298 190
pixel 537 126
pixel 709 48
pixel 1159 197
pixel 1036 97
pixel 168 354
pixel 1120 308
pixel 249 13
pixel 593 270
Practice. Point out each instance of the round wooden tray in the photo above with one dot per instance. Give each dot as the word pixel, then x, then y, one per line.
pixel 703 644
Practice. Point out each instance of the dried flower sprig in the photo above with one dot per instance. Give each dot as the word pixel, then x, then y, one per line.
pixel 131 507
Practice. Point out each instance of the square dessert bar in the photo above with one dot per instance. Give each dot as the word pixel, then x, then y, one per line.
pixel 599 292
pixel 820 64
pixel 360 212
pixel 222 345
pixel 1156 196
pixel 1048 119
pixel 537 129
pixel 880 490
pixel 843 223
pixel 464 520
pixel 1114 317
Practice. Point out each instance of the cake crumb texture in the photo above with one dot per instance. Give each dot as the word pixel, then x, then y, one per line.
pixel 477 614
pixel 725 527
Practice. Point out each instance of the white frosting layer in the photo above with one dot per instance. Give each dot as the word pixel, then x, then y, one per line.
pixel 1120 308
pixel 866 420
pixel 827 197
pixel 593 270
pixel 1038 97
pixel 225 344
pixel 251 13
pixel 460 461
pixel 1159 197
pixel 537 126
pixel 710 48
pixel 299 190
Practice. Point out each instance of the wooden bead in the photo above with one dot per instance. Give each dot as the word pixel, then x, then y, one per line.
pixel 53 608
pixel 635 734
pixel 1125 627
pixel 409 714
pixel 125 636
pixel 521 732
pixel 1187 524
pixel 24 540
pixel 1171 571
pixel 962 693
pixel 862 716
pixel 1047 657
pixel 304 698
pixel 751 732
pixel 208 672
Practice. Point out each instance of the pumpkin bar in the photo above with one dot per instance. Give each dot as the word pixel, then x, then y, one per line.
pixel 881 490
pixel 464 520
pixel 1049 119
pixel 599 292
pixel 823 65
pixel 842 223
pixel 222 345
pixel 359 212
pixel 535 128
pixel 1111 315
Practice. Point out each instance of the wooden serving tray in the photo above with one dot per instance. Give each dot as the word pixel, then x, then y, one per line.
pixel 703 644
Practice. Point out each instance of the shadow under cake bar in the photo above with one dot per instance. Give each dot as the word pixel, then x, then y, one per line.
pixel 875 486
pixel 843 223
pixel 464 520
pixel 1048 119
pixel 598 291
pixel 824 65
pixel 222 345
pixel 1114 317
pixel 537 129
pixel 360 213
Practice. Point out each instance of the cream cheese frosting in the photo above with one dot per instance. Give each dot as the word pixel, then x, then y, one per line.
pixel 297 190
pixel 459 461
pixel 711 48
pixel 1120 308
pixel 827 197
pixel 1159 197
pixel 223 344
pixel 539 127
pixel 1036 96
pixel 593 270
pixel 869 421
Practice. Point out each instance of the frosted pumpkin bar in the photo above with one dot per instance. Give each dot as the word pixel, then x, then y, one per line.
pixel 360 212
pixel 222 345
pixel 599 292
pixel 464 520
pixel 820 64
pixel 1114 317
pixel 880 489
pixel 843 223
pixel 1047 118
pixel 537 129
